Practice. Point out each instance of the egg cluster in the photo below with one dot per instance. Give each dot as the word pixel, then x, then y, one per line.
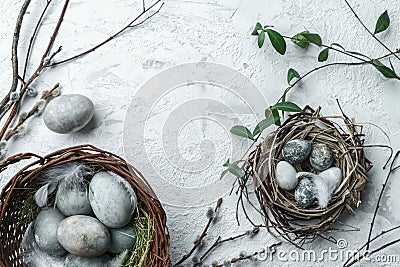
pixel 90 224
pixel 310 189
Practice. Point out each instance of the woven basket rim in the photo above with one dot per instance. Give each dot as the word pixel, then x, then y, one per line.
pixel 12 195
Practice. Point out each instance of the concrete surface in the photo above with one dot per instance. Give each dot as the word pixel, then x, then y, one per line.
pixel 213 31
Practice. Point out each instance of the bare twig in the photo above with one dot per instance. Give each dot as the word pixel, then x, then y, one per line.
pixel 128 26
pixel 14 110
pixel 198 242
pixel 14 54
pixel 33 37
pixel 46 96
pixel 372 34
pixel 391 170
pixel 220 241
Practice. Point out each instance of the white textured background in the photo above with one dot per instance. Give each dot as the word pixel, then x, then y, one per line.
pixel 215 31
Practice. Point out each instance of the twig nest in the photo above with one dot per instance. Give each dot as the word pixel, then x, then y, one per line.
pixel 45 231
pixel 296 151
pixel 122 239
pixel 112 199
pixel 68 113
pixel 83 236
pixel 321 157
pixel 73 201
pixel 286 176
pixel 327 154
pixel 74 261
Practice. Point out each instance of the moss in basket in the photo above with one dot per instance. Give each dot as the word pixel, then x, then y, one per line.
pixel 144 227
pixel 29 210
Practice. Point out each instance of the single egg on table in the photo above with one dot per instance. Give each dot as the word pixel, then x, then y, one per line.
pixel 68 113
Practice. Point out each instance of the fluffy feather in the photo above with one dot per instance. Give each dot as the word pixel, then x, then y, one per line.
pixel 322 188
pixel 129 189
pixel 119 259
pixel 68 175
pixel 33 255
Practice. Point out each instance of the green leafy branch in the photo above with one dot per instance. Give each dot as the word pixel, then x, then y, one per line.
pixel 303 40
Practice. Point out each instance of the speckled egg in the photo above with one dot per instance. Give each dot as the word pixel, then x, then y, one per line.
pixel 296 151
pixel 68 113
pixel 74 261
pixel 112 198
pixel 321 157
pixel 305 194
pixel 122 239
pixel 45 231
pixel 73 201
pixel 286 176
pixel 83 236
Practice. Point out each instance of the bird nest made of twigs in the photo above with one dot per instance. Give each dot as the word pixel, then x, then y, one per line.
pixel 17 209
pixel 283 216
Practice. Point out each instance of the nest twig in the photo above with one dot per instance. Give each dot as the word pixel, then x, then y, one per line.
pixel 14 194
pixel 281 213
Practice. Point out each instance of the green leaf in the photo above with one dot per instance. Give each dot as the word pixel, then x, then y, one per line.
pixel 300 40
pixel 235 170
pixel 313 38
pixel 273 113
pixel 277 41
pixel 261 38
pixel 223 173
pixel 287 106
pixel 386 71
pixel 291 74
pixel 241 131
pixel 323 56
pixel 338 45
pixel 226 164
pixel 382 23
pixel 262 125
pixel 257 28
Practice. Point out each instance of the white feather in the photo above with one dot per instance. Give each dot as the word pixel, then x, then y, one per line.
pixel 322 188
pixel 68 175
pixel 129 189
pixel 33 255
pixel 119 259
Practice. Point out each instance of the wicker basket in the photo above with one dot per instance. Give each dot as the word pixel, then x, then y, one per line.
pixel 283 216
pixel 15 192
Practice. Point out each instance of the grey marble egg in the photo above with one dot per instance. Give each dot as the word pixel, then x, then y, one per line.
pixel 286 176
pixel 45 231
pixel 112 198
pixel 305 194
pixel 321 157
pixel 73 201
pixel 74 261
pixel 296 150
pixel 83 236
pixel 68 113
pixel 122 239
